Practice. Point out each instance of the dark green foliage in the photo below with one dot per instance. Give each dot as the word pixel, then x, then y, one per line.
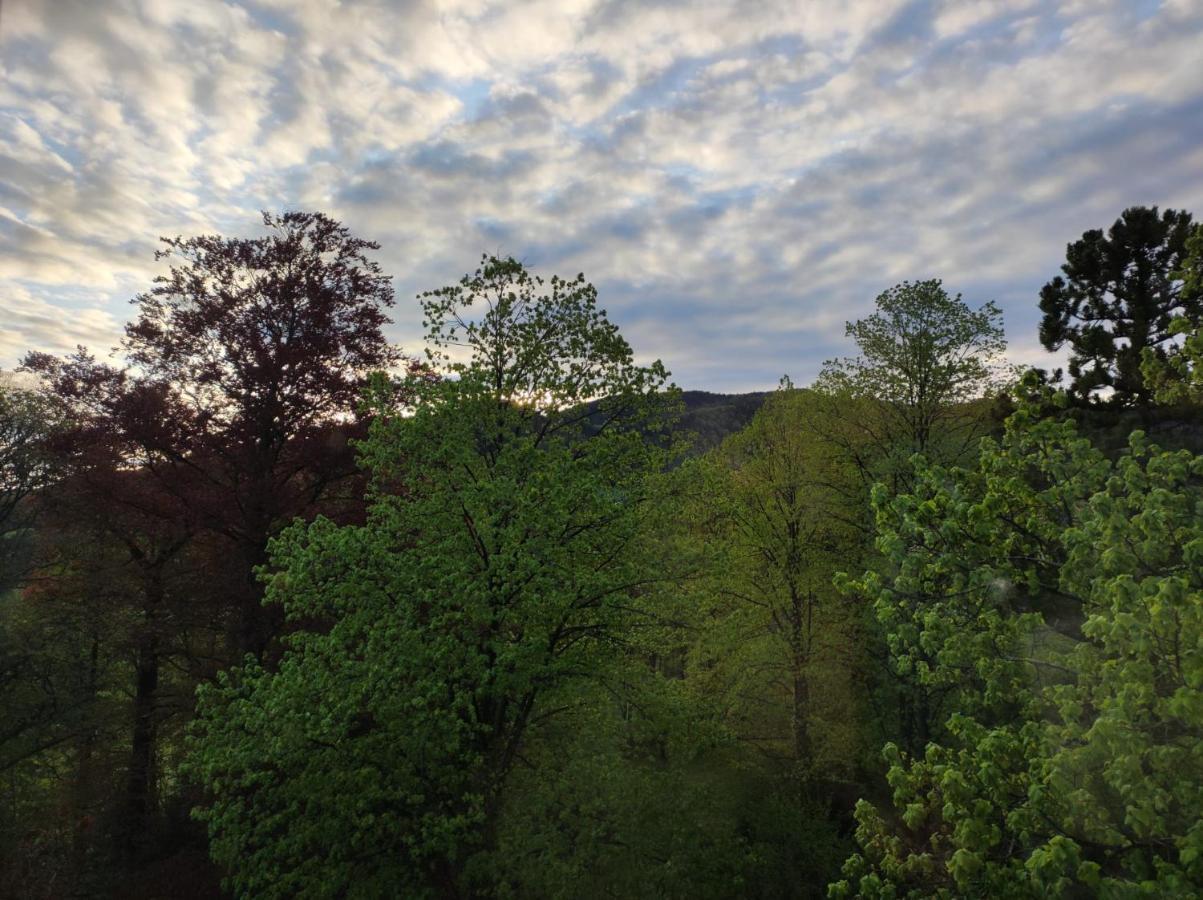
pixel 1117 301
pixel 709 418
pixel 926 362
pixel 1175 374
pixel 28 422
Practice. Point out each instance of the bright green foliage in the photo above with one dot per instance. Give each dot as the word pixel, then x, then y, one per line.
pixel 961 583
pixel 1176 376
pixel 763 521
pixel 502 560
pixel 774 516
pixel 1057 772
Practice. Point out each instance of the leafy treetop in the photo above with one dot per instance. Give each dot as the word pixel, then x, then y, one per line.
pixel 503 558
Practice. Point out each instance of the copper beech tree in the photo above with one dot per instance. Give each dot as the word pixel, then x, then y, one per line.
pixel 226 416
pixel 239 383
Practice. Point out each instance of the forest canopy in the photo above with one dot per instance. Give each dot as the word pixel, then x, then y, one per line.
pixel 285 611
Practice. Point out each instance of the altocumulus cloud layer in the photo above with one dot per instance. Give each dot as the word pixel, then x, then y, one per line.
pixel 738 178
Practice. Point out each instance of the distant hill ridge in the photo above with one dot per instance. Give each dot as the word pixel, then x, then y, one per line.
pixel 707 417
pixel 714 416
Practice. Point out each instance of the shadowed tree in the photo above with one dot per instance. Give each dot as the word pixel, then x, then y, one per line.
pixel 27 420
pixel 1116 303
pixel 776 524
pixel 241 373
pixel 144 533
pixel 1176 375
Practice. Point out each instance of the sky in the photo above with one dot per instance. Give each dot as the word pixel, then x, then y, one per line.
pixel 737 178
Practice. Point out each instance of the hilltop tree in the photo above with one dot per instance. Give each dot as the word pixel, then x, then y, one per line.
pixel 245 362
pixel 924 357
pixel 1117 302
pixel 501 562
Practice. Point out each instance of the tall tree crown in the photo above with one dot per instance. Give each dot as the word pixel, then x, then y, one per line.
pixel 923 346
pixel 276 328
pixel 924 356
pixel 241 366
pixel 511 562
pixel 541 345
pixel 1118 298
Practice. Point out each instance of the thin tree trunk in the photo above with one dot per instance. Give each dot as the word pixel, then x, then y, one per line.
pixel 802 746
pixel 84 789
pixel 802 625
pixel 257 624
pixel 139 801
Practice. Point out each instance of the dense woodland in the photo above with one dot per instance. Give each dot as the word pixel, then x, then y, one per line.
pixel 285 612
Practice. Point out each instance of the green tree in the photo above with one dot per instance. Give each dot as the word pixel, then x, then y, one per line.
pixel 28 418
pixel 1176 375
pixel 1070 760
pixel 775 525
pixel 500 561
pixel 769 645
pixel 1117 300
pixel 924 358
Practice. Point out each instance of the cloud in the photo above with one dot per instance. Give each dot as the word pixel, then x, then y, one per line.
pixel 33 322
pixel 737 177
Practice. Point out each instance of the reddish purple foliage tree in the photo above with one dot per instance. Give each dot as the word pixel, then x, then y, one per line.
pixel 242 375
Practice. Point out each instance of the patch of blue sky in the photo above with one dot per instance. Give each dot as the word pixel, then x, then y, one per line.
pixel 729 198
pixel 493 229
pixel 71 298
pixel 988 43
pixel 472 93
pixel 271 18
pixel 684 171
pixel 1142 10
pixel 787 44
pixel 1124 121
pixel 912 22
pixel 664 88
pixel 793 92
pixel 708 206
pixel 69 153
pixel 374 156
pixel 548 255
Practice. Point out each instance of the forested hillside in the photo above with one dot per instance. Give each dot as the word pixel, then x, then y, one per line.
pixel 286 611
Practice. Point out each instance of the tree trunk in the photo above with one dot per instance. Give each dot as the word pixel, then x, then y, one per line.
pixel 916 719
pixel 802 748
pixel 257 624
pixel 801 625
pixel 83 791
pixel 139 801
